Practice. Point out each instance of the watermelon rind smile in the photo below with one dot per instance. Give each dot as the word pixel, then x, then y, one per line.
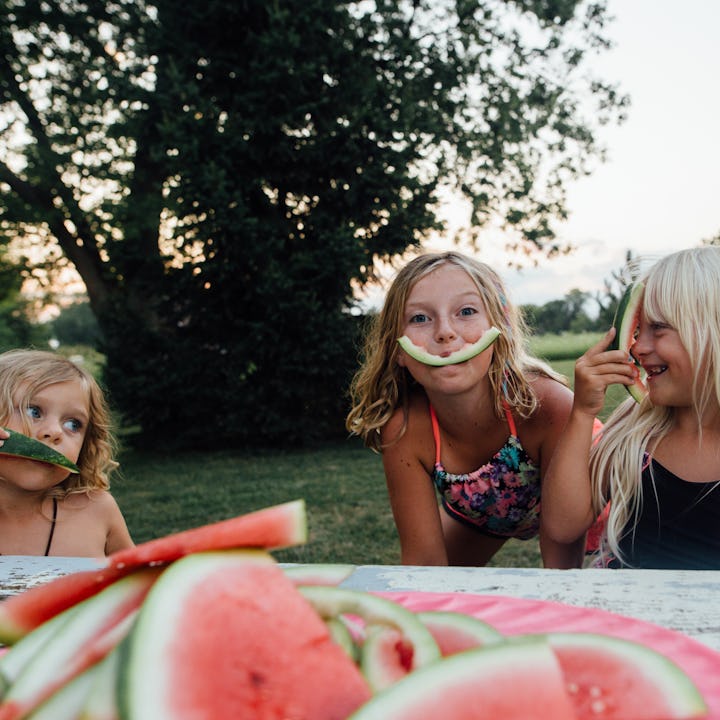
pixel 463 355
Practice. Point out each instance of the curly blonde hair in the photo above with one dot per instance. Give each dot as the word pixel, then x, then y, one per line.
pixel 682 290
pixel 23 373
pixel 381 385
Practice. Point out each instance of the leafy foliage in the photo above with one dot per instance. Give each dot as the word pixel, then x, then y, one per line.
pixel 220 173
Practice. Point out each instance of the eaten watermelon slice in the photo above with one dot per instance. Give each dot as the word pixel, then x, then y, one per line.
pixel 228 635
pixel 462 355
pixel 273 527
pixel 626 322
pixel 513 679
pixel 609 678
pixel 24 446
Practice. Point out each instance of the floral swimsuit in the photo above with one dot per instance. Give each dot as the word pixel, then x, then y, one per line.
pixel 501 498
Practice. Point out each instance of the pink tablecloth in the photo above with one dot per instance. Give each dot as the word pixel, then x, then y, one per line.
pixel 515 616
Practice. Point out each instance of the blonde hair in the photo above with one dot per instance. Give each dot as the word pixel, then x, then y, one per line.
pixel 23 373
pixel 682 290
pixel 381 385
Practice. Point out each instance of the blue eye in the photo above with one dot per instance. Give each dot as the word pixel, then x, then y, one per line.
pixel 419 318
pixel 33 412
pixel 73 425
pixel 468 311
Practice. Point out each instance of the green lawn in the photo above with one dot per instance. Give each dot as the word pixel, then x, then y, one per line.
pixel 343 486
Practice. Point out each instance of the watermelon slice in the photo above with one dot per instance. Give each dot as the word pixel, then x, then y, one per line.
pixel 23 446
pixel 462 355
pixel 270 528
pixel 319 573
pixel 518 679
pixel 273 527
pixel 83 637
pixel 384 656
pixel 227 635
pixel 455 632
pixel 626 322
pixel 610 678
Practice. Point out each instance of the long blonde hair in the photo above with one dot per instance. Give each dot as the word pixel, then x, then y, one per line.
pixel 23 373
pixel 683 291
pixel 381 385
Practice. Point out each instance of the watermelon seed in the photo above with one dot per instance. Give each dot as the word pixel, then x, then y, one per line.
pixel 573 688
pixel 598 707
pixel 595 691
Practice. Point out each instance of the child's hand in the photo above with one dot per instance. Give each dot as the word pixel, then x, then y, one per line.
pixel 595 370
pixel 4 435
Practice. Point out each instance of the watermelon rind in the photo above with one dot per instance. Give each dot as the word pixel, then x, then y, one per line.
pixel 450 628
pixel 520 679
pixel 625 324
pixel 23 446
pixel 673 694
pixel 462 355
pixel 332 602
pixel 87 633
pixel 318 573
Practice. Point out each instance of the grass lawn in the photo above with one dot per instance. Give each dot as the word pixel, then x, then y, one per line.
pixel 343 486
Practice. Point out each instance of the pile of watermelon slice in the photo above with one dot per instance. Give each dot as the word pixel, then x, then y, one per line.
pixel 205 625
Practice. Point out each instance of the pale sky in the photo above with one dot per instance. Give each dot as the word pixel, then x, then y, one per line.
pixel 659 191
pixel 660 188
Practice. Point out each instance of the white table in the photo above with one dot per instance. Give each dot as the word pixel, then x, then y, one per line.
pixel 683 600
pixel 687 601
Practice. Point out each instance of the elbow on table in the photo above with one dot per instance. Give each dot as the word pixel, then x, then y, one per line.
pixel 562 529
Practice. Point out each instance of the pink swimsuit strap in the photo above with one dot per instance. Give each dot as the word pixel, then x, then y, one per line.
pixel 436 428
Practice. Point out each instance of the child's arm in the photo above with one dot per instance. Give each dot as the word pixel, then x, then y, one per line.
pixel 567 510
pixel 118 536
pixel 412 499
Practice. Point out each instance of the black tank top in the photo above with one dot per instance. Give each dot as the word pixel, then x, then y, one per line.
pixel 679 524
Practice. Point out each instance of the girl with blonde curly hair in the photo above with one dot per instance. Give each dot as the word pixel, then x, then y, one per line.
pixel 478 433
pixel 44 508
pixel 656 465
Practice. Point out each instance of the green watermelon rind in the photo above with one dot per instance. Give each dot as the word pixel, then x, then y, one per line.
pixel 23 446
pixel 332 602
pixel 459 356
pixel 462 673
pixel 156 628
pixel 671 682
pixel 624 324
pixel 474 629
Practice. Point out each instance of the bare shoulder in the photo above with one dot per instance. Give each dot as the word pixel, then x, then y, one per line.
pixel 408 433
pixel 96 500
pixel 554 398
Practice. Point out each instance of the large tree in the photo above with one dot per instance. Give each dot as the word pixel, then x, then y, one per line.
pixel 222 174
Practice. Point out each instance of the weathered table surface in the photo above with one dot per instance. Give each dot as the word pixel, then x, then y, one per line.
pixel 686 601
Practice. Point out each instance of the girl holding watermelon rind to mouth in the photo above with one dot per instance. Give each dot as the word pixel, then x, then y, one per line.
pixel 479 432
pixel 46 508
pixel 656 465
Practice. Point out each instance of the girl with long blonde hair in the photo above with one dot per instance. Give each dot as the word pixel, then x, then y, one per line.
pixel 478 434
pixel 656 464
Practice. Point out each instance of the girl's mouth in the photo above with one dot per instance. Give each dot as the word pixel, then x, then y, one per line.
pixel 655 370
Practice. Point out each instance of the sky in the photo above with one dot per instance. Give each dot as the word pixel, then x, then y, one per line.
pixel 659 190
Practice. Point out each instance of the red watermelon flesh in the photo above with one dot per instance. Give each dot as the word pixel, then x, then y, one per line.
pixel 227 635
pixel 455 632
pixel 272 527
pixel 91 631
pixel 515 679
pixel 21 614
pixel 609 678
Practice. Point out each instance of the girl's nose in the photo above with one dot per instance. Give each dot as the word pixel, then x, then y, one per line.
pixel 643 340
pixel 444 330
pixel 49 431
